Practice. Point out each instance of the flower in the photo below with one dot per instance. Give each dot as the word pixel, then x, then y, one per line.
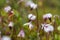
pixel 10 24
pixel 44 17
pixel 47 27
pixel 49 15
pixel 6 38
pixel 21 34
pixel 31 4
pixel 31 17
pixel 29 25
pixel 34 6
pixel 7 8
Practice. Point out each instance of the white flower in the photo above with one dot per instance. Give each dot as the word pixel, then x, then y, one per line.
pixel 34 6
pixel 7 8
pixel 31 17
pixel 49 15
pixel 10 24
pixel 21 34
pixel 47 27
pixel 29 24
pixel 6 38
pixel 31 4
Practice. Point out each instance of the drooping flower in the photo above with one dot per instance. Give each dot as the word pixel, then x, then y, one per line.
pixel 11 24
pixel 31 17
pixel 21 34
pixel 49 15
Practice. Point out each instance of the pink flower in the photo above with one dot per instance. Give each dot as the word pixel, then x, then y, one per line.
pixel 21 34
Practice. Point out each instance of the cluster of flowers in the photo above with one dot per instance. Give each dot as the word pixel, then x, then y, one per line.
pixel 46 27
pixel 30 25
pixel 10 12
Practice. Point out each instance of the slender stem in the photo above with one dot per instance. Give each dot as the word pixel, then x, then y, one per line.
pixel 37 24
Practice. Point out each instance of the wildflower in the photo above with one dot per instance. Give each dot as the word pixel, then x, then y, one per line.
pixel 21 34
pixel 47 27
pixel 47 16
pixel 31 4
pixel 7 8
pixel 31 17
pixel 10 25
